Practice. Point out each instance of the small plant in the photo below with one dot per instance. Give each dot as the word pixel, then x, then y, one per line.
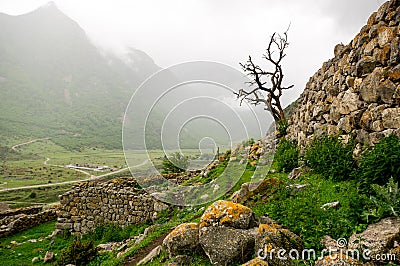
pixel 287 156
pixel 380 163
pixel 175 163
pixel 386 200
pixel 78 253
pixel 32 195
pixel 330 157
pixel 282 127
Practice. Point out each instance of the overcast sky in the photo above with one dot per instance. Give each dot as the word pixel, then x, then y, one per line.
pixel 226 31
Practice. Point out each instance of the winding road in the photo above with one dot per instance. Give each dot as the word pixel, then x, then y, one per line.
pixel 90 178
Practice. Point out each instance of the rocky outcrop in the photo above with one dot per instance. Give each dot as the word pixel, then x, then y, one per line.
pixel 231 232
pixel 118 201
pixel 358 91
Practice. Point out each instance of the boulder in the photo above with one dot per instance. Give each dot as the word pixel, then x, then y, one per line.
pixel 226 213
pixel 223 245
pixel 183 237
pixel 379 238
pixel 271 238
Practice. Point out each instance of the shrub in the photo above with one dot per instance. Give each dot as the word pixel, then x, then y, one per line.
pixel 175 163
pixel 386 201
pixel 286 156
pixel 330 157
pixel 380 163
pixel 78 253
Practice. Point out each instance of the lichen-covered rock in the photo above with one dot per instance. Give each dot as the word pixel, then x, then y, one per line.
pixel 256 262
pixel 226 213
pixel 379 238
pixel 183 237
pixel 272 237
pixel 337 259
pixel 223 244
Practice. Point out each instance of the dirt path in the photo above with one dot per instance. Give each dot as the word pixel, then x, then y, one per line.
pixel 141 253
pixel 14 148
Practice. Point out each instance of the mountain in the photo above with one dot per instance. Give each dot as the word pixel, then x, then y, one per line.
pixel 55 83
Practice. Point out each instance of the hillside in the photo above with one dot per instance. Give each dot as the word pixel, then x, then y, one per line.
pixel 55 83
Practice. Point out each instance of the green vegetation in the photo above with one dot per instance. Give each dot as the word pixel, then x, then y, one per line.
pixel 22 254
pixel 175 163
pixel 379 163
pixel 301 211
pixel 386 201
pixel 331 157
pixel 78 252
pixel 286 156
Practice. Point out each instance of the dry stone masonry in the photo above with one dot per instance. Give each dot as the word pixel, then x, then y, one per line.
pixel 14 221
pixel 118 201
pixel 358 91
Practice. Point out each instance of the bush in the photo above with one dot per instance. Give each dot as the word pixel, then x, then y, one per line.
pixel 386 201
pixel 380 163
pixel 175 163
pixel 286 156
pixel 78 253
pixel 330 157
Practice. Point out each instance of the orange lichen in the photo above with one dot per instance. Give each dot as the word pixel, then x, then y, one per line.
pixel 223 213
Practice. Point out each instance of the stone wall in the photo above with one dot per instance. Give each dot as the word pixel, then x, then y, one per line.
pixel 358 91
pixel 118 201
pixel 16 223
pixel 26 210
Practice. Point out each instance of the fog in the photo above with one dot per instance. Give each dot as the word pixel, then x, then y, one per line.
pixel 177 31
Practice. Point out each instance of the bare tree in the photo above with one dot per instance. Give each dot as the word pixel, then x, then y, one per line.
pixel 266 86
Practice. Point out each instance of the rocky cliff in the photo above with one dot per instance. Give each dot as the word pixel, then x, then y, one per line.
pixel 358 91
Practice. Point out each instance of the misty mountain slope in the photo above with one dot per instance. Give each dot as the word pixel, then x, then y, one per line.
pixel 55 82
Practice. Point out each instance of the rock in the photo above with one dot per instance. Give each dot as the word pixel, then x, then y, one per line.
pixel 385 91
pixel 296 188
pixel 330 205
pixel 256 262
pixel 35 259
pixel 181 260
pixel 183 237
pixel 250 189
pixel 296 173
pixel 154 253
pixel 226 213
pixel 391 118
pixel 385 36
pixel 349 103
pixel 49 257
pixel 379 238
pixel 223 244
pixel 270 238
pixel 337 259
pixel 365 66
pixel 329 243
